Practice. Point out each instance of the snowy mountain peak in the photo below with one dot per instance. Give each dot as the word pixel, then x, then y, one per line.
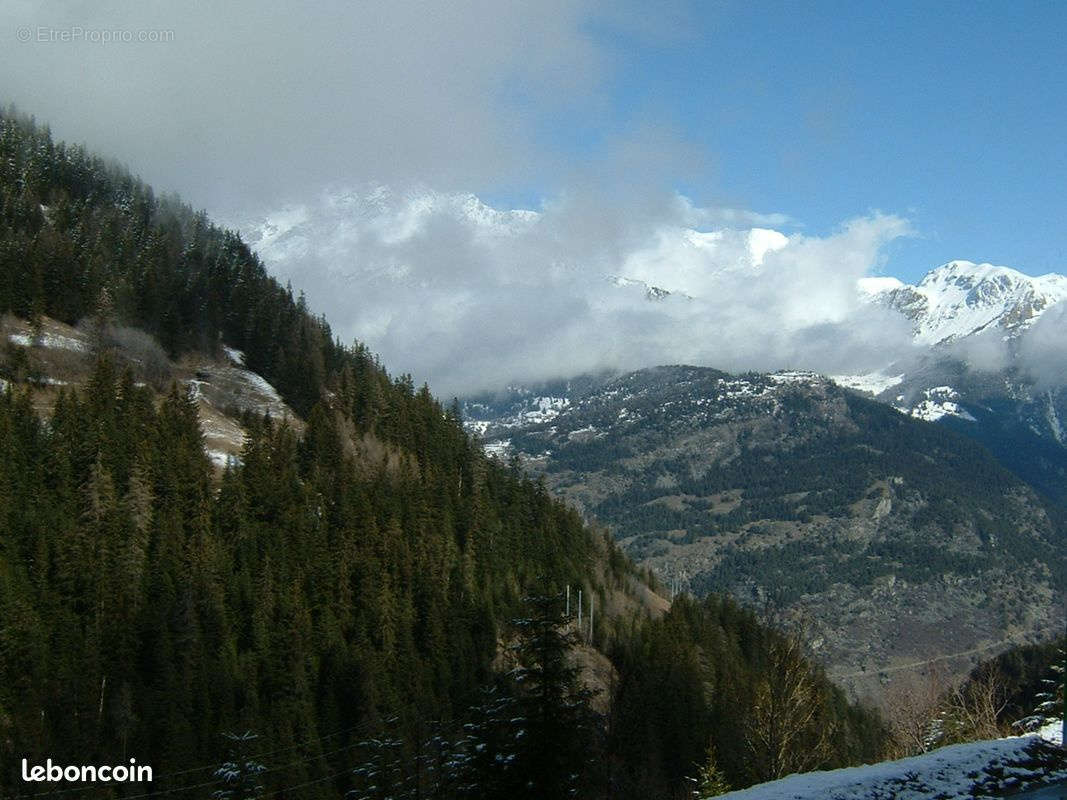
pixel 980 282
pixel 961 298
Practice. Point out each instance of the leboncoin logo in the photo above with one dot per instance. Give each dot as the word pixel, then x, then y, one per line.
pixel 118 773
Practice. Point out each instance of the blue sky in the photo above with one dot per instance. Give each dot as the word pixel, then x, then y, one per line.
pixel 951 114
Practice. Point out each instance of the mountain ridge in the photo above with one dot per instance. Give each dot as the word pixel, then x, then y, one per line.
pixel 961 298
pixel 786 487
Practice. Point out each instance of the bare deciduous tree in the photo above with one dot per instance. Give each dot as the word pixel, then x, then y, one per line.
pixel 912 703
pixel 784 733
pixel 971 710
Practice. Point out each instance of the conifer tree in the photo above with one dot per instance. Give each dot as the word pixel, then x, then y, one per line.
pixel 239 776
pixel 710 780
pixel 382 773
pixel 484 764
pixel 1050 705
pixel 554 749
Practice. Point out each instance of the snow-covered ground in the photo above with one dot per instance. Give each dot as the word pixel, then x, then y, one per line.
pixel 221 459
pixel 938 402
pixel 219 387
pixel 793 376
pixel 948 773
pixel 873 382
pixel 235 355
pixel 498 449
pixel 230 385
pixel 47 339
pixel 536 410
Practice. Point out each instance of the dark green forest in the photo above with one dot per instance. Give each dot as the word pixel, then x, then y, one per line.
pixel 375 616
pixel 816 454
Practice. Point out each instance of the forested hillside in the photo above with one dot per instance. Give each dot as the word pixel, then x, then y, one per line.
pixel 72 224
pixel 900 541
pixel 345 589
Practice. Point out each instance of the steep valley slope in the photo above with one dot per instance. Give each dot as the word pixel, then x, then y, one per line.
pixel 896 542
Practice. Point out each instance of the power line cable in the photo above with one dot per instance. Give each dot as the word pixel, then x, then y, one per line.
pixel 393 720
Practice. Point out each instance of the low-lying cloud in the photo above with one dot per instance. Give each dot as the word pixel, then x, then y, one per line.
pixel 468 297
pixel 251 99
pixel 1043 350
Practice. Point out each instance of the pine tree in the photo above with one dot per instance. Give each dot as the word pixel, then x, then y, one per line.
pixel 710 780
pixel 239 775
pixel 381 775
pixel 1050 706
pixel 484 764
pixel 529 738
pixel 556 720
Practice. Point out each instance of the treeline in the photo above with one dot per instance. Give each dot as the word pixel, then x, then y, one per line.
pixel 145 610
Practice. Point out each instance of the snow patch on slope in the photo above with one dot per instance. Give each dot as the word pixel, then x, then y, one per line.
pixel 938 402
pixel 1053 419
pixel 545 409
pixel 235 355
pixel 948 773
pixel 534 411
pixel 872 382
pixel 793 376
pixel 221 459
pixel 498 449
pixel 247 390
pixel 273 401
pixel 51 340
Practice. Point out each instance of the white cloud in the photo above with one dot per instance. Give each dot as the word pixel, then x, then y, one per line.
pixel 467 296
pixel 246 101
pixel 1043 348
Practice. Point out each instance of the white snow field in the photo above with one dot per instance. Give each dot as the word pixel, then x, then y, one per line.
pixel 961 298
pixel 996 767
